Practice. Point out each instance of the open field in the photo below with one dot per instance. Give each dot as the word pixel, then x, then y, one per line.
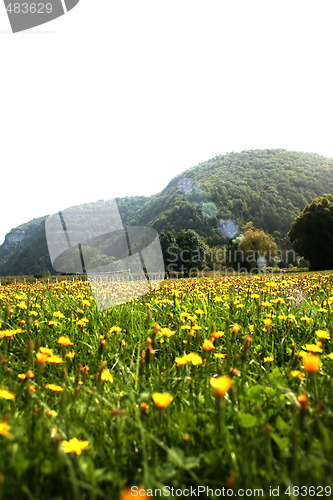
pixel 210 382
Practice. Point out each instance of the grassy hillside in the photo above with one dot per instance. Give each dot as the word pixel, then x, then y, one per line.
pixel 269 187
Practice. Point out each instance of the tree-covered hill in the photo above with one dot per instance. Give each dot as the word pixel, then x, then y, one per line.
pixel 268 187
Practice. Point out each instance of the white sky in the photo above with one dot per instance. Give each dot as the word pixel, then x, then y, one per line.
pixel 117 97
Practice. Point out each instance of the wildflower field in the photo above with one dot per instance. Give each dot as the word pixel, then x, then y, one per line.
pixel 211 382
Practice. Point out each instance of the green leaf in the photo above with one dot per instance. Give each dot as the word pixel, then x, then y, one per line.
pixel 246 420
pixel 176 456
pixel 254 392
pixel 282 425
pixel 282 442
pixel 191 462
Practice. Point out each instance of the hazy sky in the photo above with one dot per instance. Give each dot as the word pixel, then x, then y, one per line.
pixel 117 97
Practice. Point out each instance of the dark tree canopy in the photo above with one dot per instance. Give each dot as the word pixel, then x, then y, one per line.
pixel 311 233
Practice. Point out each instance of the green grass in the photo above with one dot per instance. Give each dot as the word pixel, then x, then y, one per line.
pixel 257 436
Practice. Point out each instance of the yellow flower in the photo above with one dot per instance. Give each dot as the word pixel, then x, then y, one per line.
pixel 330 355
pixel 311 363
pixel 54 359
pixel 115 329
pixel 70 354
pixel 304 402
pixel 46 350
pixel 166 332
pixel 4 430
pixel 126 494
pixel 162 400
pixel 6 394
pixel 181 361
pixel 82 322
pixel 312 348
pixel 199 312
pixel 194 358
pixel 50 413
pixel 54 388
pixel 267 322
pixel 75 446
pixel 297 374
pixel 236 328
pixel 42 357
pixel 185 315
pixel 57 314
pixel 24 376
pixel 207 345
pixel 144 408
pixel 217 335
pixel 322 334
pixel 53 322
pixel 64 341
pixel 219 355
pixel 106 376
pixel 218 299
pixel 269 359
pixel 221 385
pixel 86 302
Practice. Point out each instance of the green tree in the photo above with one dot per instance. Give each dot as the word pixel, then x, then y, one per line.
pixel 194 254
pixel 256 247
pixel 311 233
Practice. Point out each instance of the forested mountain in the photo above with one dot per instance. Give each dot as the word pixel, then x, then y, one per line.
pixel 268 187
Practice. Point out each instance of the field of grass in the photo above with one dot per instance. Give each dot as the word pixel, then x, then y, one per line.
pixel 219 383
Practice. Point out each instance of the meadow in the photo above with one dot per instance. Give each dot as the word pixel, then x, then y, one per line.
pixel 219 383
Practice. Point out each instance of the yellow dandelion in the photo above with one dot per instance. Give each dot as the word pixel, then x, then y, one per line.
pixel 311 363
pixel 54 359
pixel 54 388
pixel 115 329
pixel 64 341
pixel 106 376
pixel 322 334
pixel 162 400
pixel 312 348
pixel 297 374
pixel 221 385
pixel 6 394
pixel 58 314
pixel 166 332
pixel 4 430
pixel 75 446
pixel 207 345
